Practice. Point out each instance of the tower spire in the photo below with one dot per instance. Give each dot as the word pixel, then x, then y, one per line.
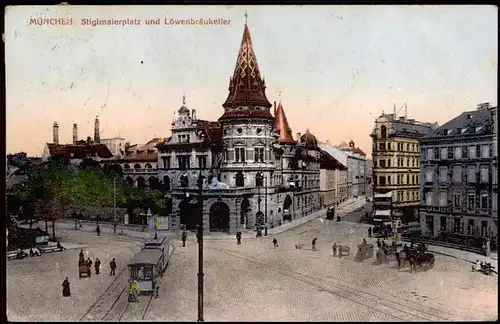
pixel 281 125
pixel 183 99
pixel 247 87
pixel 279 94
pixel 246 17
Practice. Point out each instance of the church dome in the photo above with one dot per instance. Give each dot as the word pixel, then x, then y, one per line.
pixel 309 140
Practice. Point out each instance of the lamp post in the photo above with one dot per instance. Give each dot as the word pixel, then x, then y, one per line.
pixel 265 206
pixel 156 229
pixel 200 236
pixel 258 179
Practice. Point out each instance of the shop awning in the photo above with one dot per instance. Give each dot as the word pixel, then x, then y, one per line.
pixel 382 213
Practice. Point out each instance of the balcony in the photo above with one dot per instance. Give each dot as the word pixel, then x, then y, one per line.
pixel 147 170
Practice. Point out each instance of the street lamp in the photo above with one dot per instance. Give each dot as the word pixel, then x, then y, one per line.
pixel 200 236
pixel 258 180
pixel 265 206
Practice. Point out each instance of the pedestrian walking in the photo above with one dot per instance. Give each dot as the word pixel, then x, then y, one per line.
pixel 112 266
pixel 238 238
pixel 81 258
pixel 275 243
pixel 114 229
pixel 66 292
pixel 98 230
pixel 340 251
pixel 89 264
pixel 334 248
pixel 97 266
pixel 184 237
pixel 314 243
pixel 369 232
pixel 379 244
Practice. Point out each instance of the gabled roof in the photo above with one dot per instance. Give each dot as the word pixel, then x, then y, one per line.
pixel 329 162
pixel 334 152
pixel 212 130
pixel 79 151
pixel 144 153
pixel 469 122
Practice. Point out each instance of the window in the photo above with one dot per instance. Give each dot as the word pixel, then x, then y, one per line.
pixel 381 146
pixel 166 162
pixel 202 162
pixel 471 199
pixel 381 181
pixel 407 147
pixel 442 198
pixel 436 154
pixel 450 153
pixel 184 181
pixel 381 163
pixel 456 200
pixel 465 153
pixel 240 179
pixel 471 174
pixel 428 198
pixel 389 163
pixel 443 174
pixel 187 138
pixel 429 175
pixel 407 196
pixel 470 228
pixel 383 131
pixel 388 146
pixel 430 154
pixel 239 154
pixel 399 179
pixel 444 153
pixel 457 174
pixel 259 180
pixel 443 223
pixel 484 201
pixel 183 162
pixel 458 153
pixel 456 225
pixel 389 180
pixel 472 152
pixel 259 154
pixel 484 174
pixel 485 151
pixel 413 147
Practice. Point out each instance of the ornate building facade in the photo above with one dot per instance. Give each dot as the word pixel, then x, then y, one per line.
pixel 254 174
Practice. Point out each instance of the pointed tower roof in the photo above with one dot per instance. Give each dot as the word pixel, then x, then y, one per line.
pixel 281 125
pixel 246 86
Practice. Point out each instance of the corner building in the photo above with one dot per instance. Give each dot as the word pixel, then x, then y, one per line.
pixel 255 173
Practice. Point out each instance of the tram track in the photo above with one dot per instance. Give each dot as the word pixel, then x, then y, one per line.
pixel 400 309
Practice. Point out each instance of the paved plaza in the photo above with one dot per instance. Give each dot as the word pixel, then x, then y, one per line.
pixel 255 282
pixel 34 291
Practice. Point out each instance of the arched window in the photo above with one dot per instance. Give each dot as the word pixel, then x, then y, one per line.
pixel 148 166
pixel 259 180
pixel 383 131
pixel 137 166
pixel 126 166
pixel 240 179
pixel 184 181
pixel 166 183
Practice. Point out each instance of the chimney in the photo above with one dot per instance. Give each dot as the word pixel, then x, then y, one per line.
pixel 89 140
pixel 75 133
pixel 97 136
pixel 193 114
pixel 298 136
pixel 275 109
pixel 482 106
pixel 55 133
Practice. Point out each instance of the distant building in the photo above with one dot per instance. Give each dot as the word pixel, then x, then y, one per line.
pixel 356 165
pixel 369 178
pixel 458 179
pixel 333 175
pixel 116 146
pixel 396 159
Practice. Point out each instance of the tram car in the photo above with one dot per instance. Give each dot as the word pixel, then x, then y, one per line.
pixel 147 266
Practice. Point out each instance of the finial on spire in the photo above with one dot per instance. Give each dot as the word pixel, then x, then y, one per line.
pixel 279 94
pixel 246 17
pixel 184 99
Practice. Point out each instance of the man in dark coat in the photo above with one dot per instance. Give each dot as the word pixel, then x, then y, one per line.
pixel 89 264
pixel 369 232
pixel 275 242
pixel 98 230
pixel 314 243
pixel 97 266
pixel 66 290
pixel 81 259
pixel 184 237
pixel 238 238
pixel 112 266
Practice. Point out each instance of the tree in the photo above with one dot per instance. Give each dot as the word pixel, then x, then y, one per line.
pixel 17 159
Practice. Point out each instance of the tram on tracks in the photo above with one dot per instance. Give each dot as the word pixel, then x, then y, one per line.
pixel 148 265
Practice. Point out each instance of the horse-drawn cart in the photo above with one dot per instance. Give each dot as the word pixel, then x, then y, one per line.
pixel 83 269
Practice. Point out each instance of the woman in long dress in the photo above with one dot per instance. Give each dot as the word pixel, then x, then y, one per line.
pixel 66 290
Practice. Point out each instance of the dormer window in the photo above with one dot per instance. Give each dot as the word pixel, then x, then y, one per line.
pixel 478 129
pixel 463 130
pixel 449 131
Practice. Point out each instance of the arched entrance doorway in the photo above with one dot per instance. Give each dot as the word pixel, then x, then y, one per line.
pixel 219 217
pixel 287 206
pixel 245 209
pixel 188 215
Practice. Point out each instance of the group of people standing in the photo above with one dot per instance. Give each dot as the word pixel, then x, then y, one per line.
pixel 97 267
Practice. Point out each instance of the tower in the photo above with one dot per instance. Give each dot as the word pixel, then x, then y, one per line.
pixel 55 133
pixel 75 133
pixel 97 136
pixel 247 122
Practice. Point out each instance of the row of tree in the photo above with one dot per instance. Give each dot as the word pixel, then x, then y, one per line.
pixel 56 188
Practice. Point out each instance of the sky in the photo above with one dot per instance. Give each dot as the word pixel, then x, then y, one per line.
pixel 337 67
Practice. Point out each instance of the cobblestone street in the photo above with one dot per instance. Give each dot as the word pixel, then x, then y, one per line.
pixel 34 291
pixel 255 282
